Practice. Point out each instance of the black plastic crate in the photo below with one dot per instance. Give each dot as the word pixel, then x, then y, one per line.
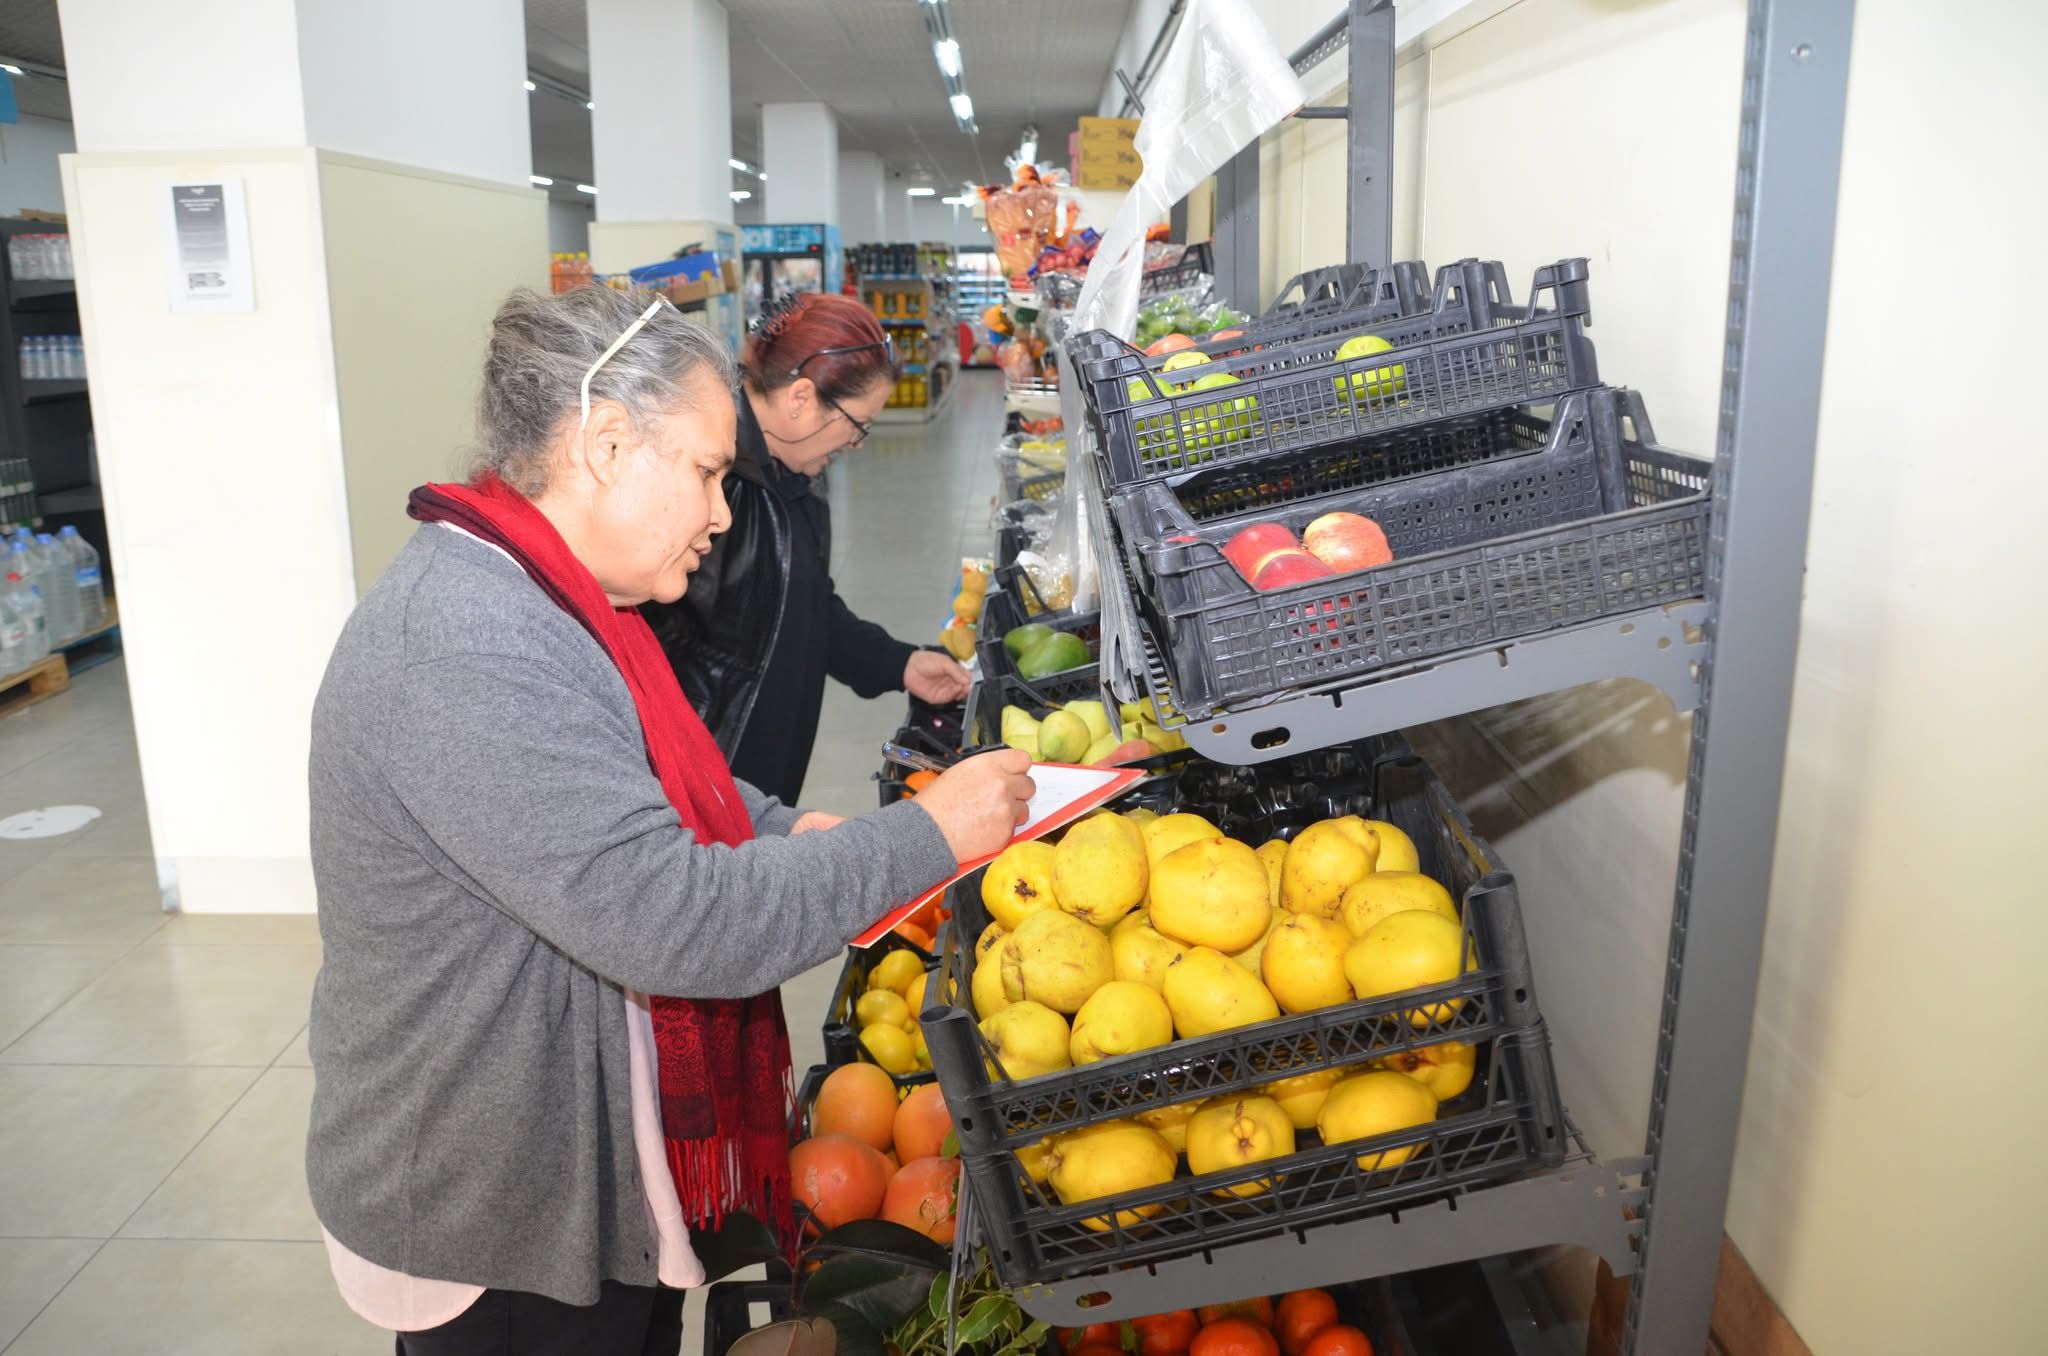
pixel 1508 1123
pixel 1595 521
pixel 1195 263
pixel 729 1310
pixel 840 1032
pixel 1473 351
pixel 933 730
pixel 1003 610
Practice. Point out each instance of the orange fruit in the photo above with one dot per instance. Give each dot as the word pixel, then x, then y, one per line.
pixel 1234 1337
pixel 1339 1339
pixel 1166 1334
pixel 1300 1316
pixel 922 1123
pixel 839 1178
pixel 911 932
pixel 857 1100
pixel 1099 1334
pixel 920 779
pixel 1258 1309
pixel 922 1196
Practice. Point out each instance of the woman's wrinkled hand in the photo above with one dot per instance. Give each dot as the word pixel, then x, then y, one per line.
pixel 980 801
pixel 935 678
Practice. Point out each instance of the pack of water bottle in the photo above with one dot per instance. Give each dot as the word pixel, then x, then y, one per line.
pixel 50 595
pixel 52 357
pixel 35 257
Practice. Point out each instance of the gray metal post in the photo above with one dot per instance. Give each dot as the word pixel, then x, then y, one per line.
pixel 1788 161
pixel 1369 135
pixel 1237 231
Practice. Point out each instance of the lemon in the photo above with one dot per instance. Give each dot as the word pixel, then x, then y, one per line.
pixel 890 1047
pixel 879 1007
pixel 895 970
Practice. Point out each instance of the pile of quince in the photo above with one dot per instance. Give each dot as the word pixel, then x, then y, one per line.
pixel 1137 930
pixel 1079 732
pixel 958 634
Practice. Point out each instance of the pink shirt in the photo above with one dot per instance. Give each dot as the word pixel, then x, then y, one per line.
pixel 392 1299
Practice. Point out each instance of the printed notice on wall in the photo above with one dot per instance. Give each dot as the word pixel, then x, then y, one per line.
pixel 207 234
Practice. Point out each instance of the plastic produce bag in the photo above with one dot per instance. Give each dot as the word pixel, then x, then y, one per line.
pixel 1221 84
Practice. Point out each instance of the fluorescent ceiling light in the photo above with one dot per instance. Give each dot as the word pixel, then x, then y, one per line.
pixel 541 181
pixel 963 106
pixel 764 176
pixel 741 194
pixel 12 70
pixel 739 165
pixel 531 87
pixel 964 200
pixel 920 192
pixel 590 104
pixel 948 53
pixel 591 189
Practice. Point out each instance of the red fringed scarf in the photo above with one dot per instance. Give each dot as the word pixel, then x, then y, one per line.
pixel 724 1063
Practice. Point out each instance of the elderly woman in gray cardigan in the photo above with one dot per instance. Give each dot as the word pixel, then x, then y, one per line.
pixel 549 913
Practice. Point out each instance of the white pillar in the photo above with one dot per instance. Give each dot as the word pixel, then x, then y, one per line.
pixel 255 463
pixel 860 197
pixel 661 134
pixel 800 152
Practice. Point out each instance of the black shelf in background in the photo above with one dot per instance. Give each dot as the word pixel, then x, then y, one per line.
pixel 43 294
pixel 83 499
pixel 42 392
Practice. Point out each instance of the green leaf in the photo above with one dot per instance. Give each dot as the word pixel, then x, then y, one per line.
pixel 937 1303
pixel 883 1292
pixel 982 1319
pixel 742 1241
pixel 949 1147
pixel 1034 1332
pixel 880 1239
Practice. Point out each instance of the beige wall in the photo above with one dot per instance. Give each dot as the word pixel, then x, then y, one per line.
pixel 416 264
pixel 1887 1169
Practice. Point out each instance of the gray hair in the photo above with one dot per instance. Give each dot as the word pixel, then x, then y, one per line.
pixel 542 344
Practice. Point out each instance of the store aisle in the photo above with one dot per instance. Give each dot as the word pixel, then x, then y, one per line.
pixel 153 1068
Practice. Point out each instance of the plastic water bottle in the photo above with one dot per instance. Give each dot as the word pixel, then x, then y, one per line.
pixel 60 591
pixel 85 563
pixel 28 606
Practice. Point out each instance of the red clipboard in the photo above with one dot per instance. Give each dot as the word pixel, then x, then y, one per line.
pixel 1106 785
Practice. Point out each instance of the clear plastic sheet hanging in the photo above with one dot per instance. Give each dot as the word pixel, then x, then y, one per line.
pixel 1221 85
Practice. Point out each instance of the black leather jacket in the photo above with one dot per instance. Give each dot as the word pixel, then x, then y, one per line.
pixel 761 623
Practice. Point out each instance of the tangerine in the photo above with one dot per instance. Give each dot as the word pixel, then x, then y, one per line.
pixel 922 1123
pixel 1167 1334
pixel 1095 1334
pixel 1234 1337
pixel 857 1100
pixel 1339 1339
pixel 1258 1309
pixel 1300 1315
pixel 839 1178
pixel 920 779
pixel 922 1196
pixel 912 933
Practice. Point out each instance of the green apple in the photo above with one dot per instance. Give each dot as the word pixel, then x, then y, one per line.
pixel 1382 381
pixel 1224 422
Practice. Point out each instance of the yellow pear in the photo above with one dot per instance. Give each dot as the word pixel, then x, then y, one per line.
pixel 1252 955
pixel 895 970
pixel 1385 893
pixel 1323 861
pixel 1444 1068
pixel 1206 992
pixel 1304 963
pixel 1301 1096
pixel 1170 833
pixel 1396 849
pixel 1118 1018
pixel 1171 1122
pixel 1099 869
pixel 1029 1039
pixel 1056 959
pixel 1409 950
pixel 1229 1132
pixel 986 989
pixel 1092 715
pixel 1211 893
pixel 990 935
pixel 1273 855
pixel 1019 883
pixel 1375 1103
pixel 1140 952
pixel 1109 1159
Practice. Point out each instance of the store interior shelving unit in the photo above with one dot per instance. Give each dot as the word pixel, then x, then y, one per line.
pixel 1728 659
pixel 933 285
pixel 978 283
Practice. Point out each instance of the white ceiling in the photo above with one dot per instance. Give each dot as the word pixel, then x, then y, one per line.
pixel 1027 61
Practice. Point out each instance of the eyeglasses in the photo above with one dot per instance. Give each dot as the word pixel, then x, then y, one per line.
pixel 887 347
pixel 583 391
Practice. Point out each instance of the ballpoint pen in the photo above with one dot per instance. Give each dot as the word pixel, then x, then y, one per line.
pixel 903 757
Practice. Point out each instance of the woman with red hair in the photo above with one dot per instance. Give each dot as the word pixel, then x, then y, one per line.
pixel 762 626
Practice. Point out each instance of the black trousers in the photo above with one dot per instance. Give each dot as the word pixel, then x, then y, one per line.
pixel 627 1320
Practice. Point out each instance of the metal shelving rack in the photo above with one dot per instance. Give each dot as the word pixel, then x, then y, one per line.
pixel 1728 659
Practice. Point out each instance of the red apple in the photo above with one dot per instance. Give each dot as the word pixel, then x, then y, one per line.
pixel 1250 549
pixel 1294 566
pixel 1172 343
pixel 1347 541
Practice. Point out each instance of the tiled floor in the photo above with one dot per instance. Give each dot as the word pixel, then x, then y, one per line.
pixel 153 1073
